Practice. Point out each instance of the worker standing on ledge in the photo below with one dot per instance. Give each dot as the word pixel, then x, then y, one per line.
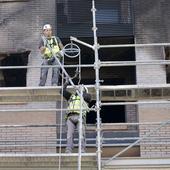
pixel 50 46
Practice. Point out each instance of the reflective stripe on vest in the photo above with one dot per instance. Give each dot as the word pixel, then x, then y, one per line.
pixel 54 46
pixel 74 105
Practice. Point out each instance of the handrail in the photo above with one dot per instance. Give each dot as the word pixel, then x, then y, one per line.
pixel 102 64
pixel 134 45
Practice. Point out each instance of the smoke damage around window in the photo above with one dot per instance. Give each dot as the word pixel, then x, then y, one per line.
pixel 14 77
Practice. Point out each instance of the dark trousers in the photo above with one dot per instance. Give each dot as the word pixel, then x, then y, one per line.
pixel 72 124
pixel 44 73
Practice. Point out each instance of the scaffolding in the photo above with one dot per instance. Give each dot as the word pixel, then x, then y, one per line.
pixel 98 90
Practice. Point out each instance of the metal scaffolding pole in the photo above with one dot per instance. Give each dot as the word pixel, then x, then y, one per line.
pixel 97 67
pixel 102 64
pixel 134 63
pixel 81 42
pixel 134 45
pixel 80 129
pixel 95 47
pixel 135 103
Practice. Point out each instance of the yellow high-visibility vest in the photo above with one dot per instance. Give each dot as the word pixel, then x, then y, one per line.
pixel 48 53
pixel 74 105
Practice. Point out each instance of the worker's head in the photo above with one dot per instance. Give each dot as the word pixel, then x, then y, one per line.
pixel 47 30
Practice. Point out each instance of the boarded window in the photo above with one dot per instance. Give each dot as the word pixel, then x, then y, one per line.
pixel 113 18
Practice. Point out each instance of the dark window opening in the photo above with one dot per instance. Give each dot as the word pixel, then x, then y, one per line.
pixel 167 57
pixel 108 114
pixel 113 114
pixel 15 77
pixel 110 75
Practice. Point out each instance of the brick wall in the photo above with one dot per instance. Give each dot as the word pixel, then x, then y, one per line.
pixel 151 27
pixel 20 28
pixel 158 142
pixel 131 116
pixel 28 139
pixel 27 134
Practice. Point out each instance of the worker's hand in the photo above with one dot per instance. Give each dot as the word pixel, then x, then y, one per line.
pixel 66 83
pixel 47 52
pixel 60 55
pixel 61 52
pixel 42 49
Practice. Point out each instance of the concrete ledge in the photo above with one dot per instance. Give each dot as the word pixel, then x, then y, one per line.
pixel 108 93
pixel 138 163
pixel 45 161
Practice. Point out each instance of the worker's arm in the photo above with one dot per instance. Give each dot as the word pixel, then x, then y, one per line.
pixel 44 50
pixel 41 46
pixel 60 43
pixel 64 91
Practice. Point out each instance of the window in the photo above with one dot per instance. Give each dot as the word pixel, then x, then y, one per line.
pixel 167 57
pixel 104 16
pixel 109 114
pixel 15 77
pixel 78 12
pixel 113 17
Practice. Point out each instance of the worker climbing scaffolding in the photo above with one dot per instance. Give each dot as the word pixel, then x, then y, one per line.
pixel 75 107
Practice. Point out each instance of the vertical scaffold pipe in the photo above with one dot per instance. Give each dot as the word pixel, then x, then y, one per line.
pixel 96 67
pixel 80 128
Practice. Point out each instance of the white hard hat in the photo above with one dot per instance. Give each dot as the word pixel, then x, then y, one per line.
pixel 47 26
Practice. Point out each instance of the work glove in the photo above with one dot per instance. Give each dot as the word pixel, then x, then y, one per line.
pixel 47 53
pixel 60 55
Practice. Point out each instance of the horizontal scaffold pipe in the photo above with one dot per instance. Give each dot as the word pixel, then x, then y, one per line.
pixel 39 145
pixel 81 42
pixel 43 154
pixel 51 141
pixel 55 125
pixel 38 110
pixel 102 64
pixel 89 145
pixel 103 88
pixel 134 45
pixel 134 124
pixel 134 63
pixel 126 87
pixel 136 103
pixel 47 66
